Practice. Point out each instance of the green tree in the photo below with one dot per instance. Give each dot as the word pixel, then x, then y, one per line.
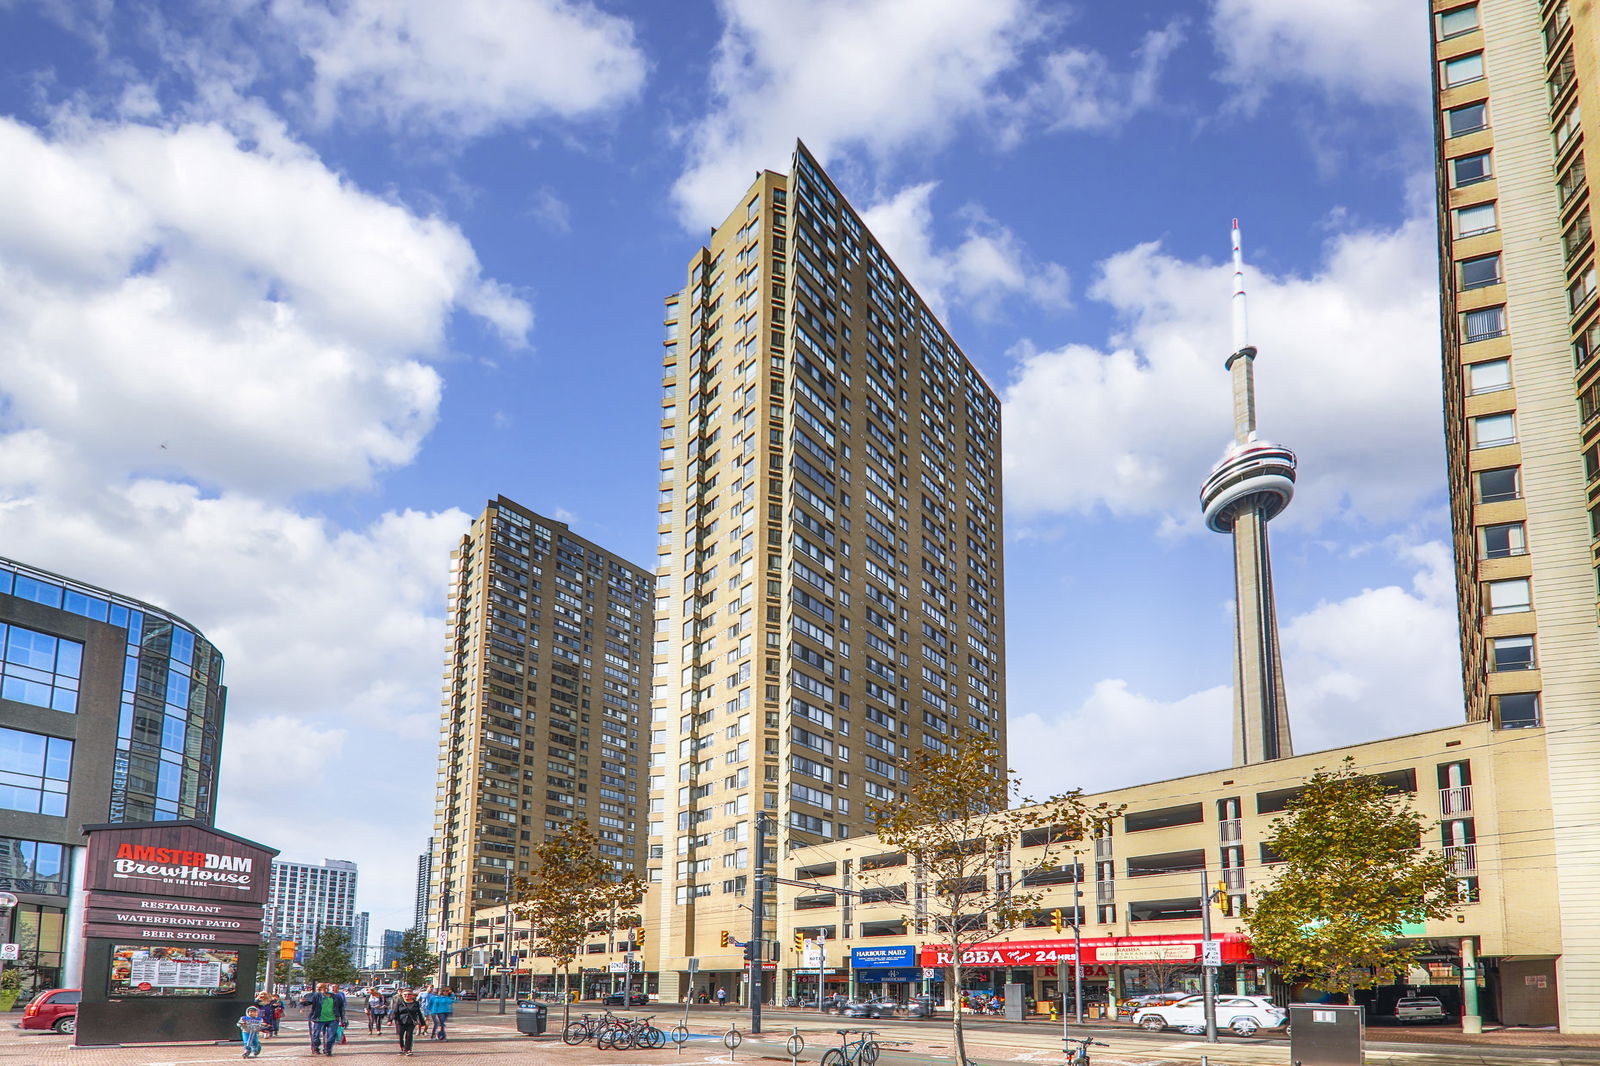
pixel 1353 875
pixel 416 958
pixel 331 963
pixel 957 824
pixel 571 888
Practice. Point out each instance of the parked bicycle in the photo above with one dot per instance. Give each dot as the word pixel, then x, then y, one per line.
pixel 862 1051
pixel 1080 1055
pixel 626 1033
pixel 583 1029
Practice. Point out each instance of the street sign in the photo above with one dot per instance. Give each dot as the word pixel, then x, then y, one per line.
pixel 929 973
pixel 617 967
pixel 1210 953
pixel 9 952
pixel 441 943
pixel 694 964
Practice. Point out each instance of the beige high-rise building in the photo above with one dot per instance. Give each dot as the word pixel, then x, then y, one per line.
pixel 829 582
pixel 546 661
pixel 1513 82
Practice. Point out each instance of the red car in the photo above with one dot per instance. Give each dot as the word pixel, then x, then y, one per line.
pixel 55 1008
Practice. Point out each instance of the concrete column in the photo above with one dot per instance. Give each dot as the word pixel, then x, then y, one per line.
pixel 1471 1020
pixel 73 945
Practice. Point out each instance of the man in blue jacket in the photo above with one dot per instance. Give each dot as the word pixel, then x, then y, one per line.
pixel 326 1015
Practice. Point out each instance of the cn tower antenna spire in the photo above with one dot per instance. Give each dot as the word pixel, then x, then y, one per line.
pixel 1247 489
pixel 1241 364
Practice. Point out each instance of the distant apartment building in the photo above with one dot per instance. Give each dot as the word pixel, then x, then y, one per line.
pixel 424 880
pixel 112 712
pixel 1516 88
pixel 306 899
pixel 546 669
pixel 360 949
pixel 830 554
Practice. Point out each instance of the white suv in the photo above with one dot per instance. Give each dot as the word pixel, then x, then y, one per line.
pixel 1245 1015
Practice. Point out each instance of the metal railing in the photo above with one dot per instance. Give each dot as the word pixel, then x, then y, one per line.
pixel 1463 858
pixel 1455 800
pixel 1232 830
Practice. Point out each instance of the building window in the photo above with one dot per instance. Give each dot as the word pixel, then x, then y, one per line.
pixel 1499 485
pixel 1511 653
pixel 1585 345
pixel 1492 431
pixel 1455 22
pixel 1580 291
pixel 1484 323
pixel 1468 118
pixel 1510 597
pixel 40 669
pixel 1473 220
pixel 34 771
pixel 1568 124
pixel 1502 541
pixel 1491 376
pixel 1462 69
pixel 32 866
pixel 1517 710
pixel 1470 169
pixel 1480 271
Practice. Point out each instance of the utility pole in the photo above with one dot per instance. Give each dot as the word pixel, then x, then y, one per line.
pixel 505 943
pixel 1209 970
pixel 758 923
pixel 1077 944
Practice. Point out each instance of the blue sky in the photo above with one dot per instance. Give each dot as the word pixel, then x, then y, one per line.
pixel 289 288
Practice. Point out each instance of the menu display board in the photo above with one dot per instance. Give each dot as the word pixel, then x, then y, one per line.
pixel 145 970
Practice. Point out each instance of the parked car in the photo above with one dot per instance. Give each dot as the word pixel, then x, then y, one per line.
pixel 875 1007
pixel 1244 1015
pixel 55 1008
pixel 1419 1009
pixel 1130 1006
pixel 635 999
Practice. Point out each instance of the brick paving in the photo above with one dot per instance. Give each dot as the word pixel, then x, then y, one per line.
pixel 492 1039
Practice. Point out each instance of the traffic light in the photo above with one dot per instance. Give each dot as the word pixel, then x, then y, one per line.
pixel 286 949
pixel 799 941
pixel 1055 919
pixel 638 938
pixel 747 953
pixel 1224 901
pixel 725 938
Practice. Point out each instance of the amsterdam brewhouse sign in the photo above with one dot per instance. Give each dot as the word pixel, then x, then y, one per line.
pixel 173 922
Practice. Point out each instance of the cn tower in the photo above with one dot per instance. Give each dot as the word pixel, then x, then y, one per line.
pixel 1249 487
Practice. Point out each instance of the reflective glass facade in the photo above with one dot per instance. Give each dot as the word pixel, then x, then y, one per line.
pixel 169 726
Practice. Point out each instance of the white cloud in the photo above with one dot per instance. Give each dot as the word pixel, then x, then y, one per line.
pixel 1348 375
pixel 879 74
pixel 177 301
pixel 987 266
pixel 1374 51
pixel 468 66
pixel 1383 662
pixel 1078 89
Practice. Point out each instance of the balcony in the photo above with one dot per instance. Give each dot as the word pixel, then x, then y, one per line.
pixel 1231 830
pixel 1105 891
pixel 1456 800
pixel 1463 859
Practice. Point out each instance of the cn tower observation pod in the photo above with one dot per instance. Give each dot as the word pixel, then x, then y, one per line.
pixel 1256 474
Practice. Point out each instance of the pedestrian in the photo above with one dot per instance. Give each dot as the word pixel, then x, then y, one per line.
pixel 274 1014
pixel 250 1030
pixel 406 1013
pixel 722 997
pixel 440 1006
pixel 326 1015
pixel 377 1010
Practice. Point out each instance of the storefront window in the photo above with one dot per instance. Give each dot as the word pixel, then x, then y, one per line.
pixel 38 932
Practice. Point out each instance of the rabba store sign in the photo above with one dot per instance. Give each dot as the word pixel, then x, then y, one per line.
pixel 1125 949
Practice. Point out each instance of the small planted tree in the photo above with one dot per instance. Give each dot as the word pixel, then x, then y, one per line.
pixel 571 888
pixel 1353 875
pixel 957 824
pixel 330 963
pixel 415 957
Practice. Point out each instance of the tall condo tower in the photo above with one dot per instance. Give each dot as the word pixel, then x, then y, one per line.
pixel 829 559
pixel 1516 90
pixel 1252 483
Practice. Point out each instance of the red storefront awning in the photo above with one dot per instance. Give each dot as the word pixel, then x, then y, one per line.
pixel 1110 950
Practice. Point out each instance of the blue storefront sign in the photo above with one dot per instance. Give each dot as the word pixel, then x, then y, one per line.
pixel 899 955
pixel 889 975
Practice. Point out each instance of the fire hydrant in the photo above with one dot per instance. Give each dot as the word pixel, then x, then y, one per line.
pixel 1055 1011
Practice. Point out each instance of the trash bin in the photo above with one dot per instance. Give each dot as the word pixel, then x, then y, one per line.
pixel 532 1018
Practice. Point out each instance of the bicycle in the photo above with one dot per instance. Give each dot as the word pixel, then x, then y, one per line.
pixel 1080 1057
pixel 587 1027
pixel 863 1051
